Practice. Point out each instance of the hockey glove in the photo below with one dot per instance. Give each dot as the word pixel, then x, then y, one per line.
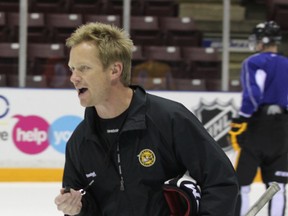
pixel 237 132
pixel 182 195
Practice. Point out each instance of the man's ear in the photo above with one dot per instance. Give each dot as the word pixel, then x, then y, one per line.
pixel 117 68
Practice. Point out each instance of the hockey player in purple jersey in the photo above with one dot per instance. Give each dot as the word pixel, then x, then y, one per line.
pixel 262 125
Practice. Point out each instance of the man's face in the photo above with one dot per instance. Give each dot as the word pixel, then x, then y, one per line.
pixel 88 76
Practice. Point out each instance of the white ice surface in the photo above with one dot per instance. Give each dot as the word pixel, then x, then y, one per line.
pixel 37 199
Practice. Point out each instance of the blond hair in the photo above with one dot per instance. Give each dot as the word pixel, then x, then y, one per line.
pixel 113 44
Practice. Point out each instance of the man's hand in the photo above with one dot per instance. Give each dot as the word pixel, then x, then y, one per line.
pixel 69 202
pixel 237 132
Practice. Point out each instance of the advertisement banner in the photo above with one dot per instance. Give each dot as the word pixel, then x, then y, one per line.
pixel 35 124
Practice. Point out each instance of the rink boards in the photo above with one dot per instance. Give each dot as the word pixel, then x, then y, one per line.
pixel 36 124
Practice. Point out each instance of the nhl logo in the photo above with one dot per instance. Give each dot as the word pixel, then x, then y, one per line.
pixel 216 117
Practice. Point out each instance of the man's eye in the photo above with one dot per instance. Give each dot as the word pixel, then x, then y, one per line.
pixel 83 68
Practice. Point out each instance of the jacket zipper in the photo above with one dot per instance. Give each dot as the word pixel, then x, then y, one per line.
pixel 122 188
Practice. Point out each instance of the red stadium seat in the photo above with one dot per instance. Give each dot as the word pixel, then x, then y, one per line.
pixel 170 55
pixel 46 50
pixel 13 80
pixel 180 31
pixel 161 8
pixel 40 54
pixel 202 63
pixel 213 84
pixel 235 85
pixel 273 5
pixel 36 81
pixel 108 19
pixel 56 72
pixel 2 19
pixel 150 83
pixel 163 53
pixel 9 67
pixel 145 30
pixel 3 27
pixel 190 84
pixel 31 81
pixel 138 55
pixel 62 25
pixel 49 6
pixel 281 17
pixel 9 51
pixel 37 31
pixel 3 80
pixel 10 5
pixel 85 6
pixel 116 7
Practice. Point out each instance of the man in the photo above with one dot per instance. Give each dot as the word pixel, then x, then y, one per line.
pixel 263 112
pixel 131 142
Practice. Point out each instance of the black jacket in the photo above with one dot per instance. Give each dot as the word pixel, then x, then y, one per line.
pixel 159 140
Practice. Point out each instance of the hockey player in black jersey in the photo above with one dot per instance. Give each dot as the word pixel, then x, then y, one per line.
pixel 262 125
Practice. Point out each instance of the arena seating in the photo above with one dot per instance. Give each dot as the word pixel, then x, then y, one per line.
pixel 85 7
pixel 11 5
pixel 180 31
pixel 60 30
pixel 277 10
pixel 213 84
pixel 151 83
pixel 144 30
pixel 36 81
pixel 138 55
pixel 202 63
pixel 49 6
pixel 109 19
pixel 170 55
pixel 9 52
pixel 31 81
pixel 235 85
pixel 41 55
pixel 281 17
pixel 154 23
pixel 183 84
pixel 116 7
pixel 3 80
pixel 273 5
pixel 36 32
pixel 160 8
pixel 9 68
pixel 3 27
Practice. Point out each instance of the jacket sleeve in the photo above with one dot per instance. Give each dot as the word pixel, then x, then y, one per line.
pixel 89 207
pixel 75 180
pixel 207 163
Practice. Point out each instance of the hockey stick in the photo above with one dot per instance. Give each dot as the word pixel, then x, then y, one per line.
pixel 266 197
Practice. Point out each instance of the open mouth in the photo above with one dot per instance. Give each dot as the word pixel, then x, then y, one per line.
pixel 82 90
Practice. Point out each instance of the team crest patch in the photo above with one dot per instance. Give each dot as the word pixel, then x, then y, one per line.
pixel 147 157
pixel 216 117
